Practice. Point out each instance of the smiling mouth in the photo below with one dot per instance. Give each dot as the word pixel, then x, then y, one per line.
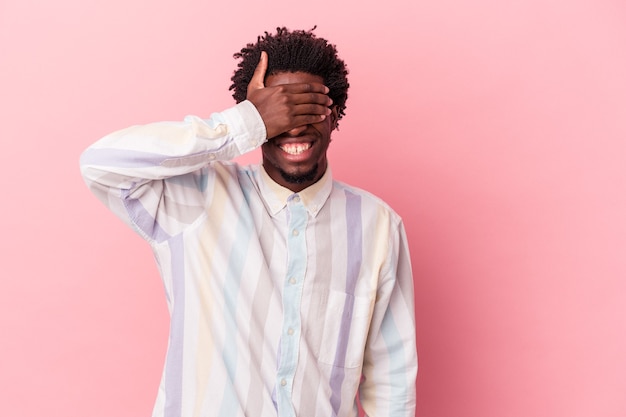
pixel 295 148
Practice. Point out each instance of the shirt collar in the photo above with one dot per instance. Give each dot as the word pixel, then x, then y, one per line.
pixel 313 197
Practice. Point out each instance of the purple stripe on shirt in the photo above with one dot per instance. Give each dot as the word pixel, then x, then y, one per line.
pixel 143 219
pixel 355 257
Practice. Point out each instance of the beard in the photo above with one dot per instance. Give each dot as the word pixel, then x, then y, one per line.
pixel 300 178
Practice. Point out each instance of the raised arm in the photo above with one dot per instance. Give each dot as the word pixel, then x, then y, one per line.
pixel 127 169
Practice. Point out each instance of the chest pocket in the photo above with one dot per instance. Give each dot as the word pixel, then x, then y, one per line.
pixel 339 333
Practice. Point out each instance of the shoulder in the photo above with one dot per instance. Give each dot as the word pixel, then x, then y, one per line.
pixel 366 201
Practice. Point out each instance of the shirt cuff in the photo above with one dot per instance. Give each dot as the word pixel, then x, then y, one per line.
pixel 246 126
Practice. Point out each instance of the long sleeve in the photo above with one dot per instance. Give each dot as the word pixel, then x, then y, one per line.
pixel 390 364
pixel 129 170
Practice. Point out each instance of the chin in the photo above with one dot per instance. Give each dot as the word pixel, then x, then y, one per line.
pixel 300 177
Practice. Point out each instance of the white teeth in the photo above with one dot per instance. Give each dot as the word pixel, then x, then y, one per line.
pixel 295 148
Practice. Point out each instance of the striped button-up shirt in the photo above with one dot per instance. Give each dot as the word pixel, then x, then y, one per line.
pixel 281 303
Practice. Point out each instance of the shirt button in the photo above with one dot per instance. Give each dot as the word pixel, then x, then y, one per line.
pixel 290 332
pixel 296 199
pixel 292 280
pixel 295 232
pixel 283 382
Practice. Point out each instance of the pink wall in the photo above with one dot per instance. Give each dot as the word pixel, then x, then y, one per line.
pixel 496 128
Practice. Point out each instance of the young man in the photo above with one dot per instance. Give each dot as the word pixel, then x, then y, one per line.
pixel 288 291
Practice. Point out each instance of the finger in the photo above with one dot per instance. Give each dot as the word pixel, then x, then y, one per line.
pixel 300 88
pixel 311 109
pixel 311 98
pixel 307 119
pixel 258 77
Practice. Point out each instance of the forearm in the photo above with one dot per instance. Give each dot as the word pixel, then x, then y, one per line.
pixel 388 388
pixel 166 149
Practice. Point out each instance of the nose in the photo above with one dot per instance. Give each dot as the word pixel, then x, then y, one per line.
pixel 296 131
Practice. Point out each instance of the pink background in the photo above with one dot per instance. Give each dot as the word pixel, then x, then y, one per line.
pixel 497 129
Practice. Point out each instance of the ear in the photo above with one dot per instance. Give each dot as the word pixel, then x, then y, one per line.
pixel 334 117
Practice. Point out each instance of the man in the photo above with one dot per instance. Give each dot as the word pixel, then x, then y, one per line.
pixel 288 291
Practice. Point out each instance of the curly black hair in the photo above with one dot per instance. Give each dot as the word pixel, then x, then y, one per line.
pixel 293 51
